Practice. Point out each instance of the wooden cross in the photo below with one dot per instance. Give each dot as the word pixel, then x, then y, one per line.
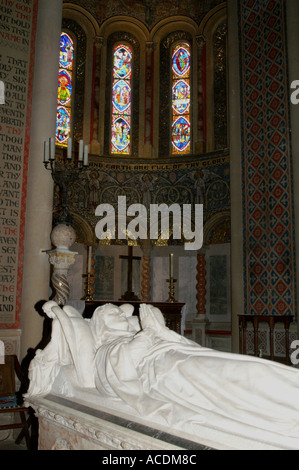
pixel 129 294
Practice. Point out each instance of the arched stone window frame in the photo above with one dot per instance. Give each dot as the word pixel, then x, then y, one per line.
pixel 201 39
pixel 165 35
pixel 130 40
pixel 71 105
pixel 127 113
pixel 150 46
pixel 83 29
pixel 134 33
pixel 175 79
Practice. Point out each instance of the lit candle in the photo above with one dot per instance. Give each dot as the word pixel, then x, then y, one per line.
pixel 52 148
pixel 69 148
pixel 89 259
pixel 86 155
pixel 171 265
pixel 46 151
pixel 80 150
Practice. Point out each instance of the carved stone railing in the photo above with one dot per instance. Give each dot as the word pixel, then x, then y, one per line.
pixel 268 323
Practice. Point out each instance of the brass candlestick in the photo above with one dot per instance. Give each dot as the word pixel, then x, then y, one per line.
pixel 88 286
pixel 171 282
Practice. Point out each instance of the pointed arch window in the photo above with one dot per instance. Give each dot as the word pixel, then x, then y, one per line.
pixel 181 123
pixel 65 89
pixel 121 100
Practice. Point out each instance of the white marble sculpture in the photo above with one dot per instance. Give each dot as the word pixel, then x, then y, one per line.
pixel 164 377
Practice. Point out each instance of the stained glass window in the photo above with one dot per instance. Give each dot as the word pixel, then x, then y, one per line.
pixel 121 100
pixel 65 88
pixel 181 125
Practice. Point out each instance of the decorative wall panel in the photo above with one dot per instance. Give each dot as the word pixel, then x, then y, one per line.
pixel 17 45
pixel 187 181
pixel 269 269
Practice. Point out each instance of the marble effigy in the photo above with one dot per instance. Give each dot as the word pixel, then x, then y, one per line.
pixel 136 369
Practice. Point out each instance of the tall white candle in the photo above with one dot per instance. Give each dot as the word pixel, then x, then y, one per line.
pixel 89 259
pixel 46 151
pixel 80 150
pixel 69 148
pixel 52 148
pixel 86 155
pixel 171 265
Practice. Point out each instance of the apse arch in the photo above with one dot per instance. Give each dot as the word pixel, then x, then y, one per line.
pixel 218 222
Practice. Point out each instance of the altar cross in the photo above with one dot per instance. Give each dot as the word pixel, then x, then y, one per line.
pixel 129 294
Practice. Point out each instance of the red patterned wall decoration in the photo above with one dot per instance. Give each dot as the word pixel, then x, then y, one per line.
pixel 268 224
pixel 17 41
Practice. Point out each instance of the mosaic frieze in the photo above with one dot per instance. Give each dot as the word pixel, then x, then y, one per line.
pixel 149 12
pixel 196 181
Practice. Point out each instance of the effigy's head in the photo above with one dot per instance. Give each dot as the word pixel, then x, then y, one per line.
pixel 109 322
pixel 127 310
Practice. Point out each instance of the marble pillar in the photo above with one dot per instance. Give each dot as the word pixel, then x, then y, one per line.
pixel 36 273
pixel 61 260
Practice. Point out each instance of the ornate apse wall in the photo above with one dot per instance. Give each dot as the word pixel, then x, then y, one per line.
pixel 202 180
pixel 268 224
pixel 149 12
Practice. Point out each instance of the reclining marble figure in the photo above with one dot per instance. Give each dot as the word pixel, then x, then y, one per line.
pixel 165 377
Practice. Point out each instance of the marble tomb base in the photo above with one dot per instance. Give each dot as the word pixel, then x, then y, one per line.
pixel 71 424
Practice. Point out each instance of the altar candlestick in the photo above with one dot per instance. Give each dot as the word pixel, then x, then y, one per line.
pixel 171 265
pixel 89 259
pixel 86 155
pixel 52 148
pixel 80 150
pixel 46 151
pixel 69 148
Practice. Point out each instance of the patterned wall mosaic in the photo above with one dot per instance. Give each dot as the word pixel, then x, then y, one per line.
pixel 189 181
pixel 269 269
pixel 147 11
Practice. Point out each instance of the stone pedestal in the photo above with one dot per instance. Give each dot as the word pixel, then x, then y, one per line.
pixel 62 236
pixel 61 262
